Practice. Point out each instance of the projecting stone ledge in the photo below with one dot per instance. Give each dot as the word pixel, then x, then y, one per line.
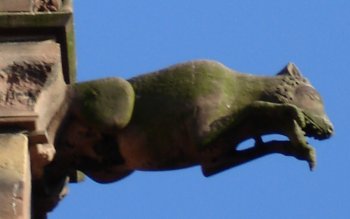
pixel 15 180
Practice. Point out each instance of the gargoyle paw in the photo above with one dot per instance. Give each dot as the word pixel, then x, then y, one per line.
pixel 298 116
pixel 308 154
pixel 311 158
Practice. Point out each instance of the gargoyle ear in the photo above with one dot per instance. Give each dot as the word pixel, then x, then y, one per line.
pixel 291 70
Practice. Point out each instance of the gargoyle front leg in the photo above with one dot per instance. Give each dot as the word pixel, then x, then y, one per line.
pixel 258 119
pixel 236 158
pixel 302 149
pixel 288 120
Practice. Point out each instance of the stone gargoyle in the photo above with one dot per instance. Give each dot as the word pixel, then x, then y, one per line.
pixel 195 113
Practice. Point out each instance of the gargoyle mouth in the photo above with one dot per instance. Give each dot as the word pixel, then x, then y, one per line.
pixel 317 127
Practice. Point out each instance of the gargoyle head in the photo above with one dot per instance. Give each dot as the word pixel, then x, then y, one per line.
pixel 297 90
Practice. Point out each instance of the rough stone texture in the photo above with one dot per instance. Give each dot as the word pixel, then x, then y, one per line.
pixel 47 5
pixel 32 91
pixel 15 180
pixel 30 78
pixel 42 25
pixel 37 59
pixel 21 83
pixel 41 155
pixel 15 5
pixel 30 5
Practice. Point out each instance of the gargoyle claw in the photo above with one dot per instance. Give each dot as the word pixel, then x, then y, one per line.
pixel 304 150
pixel 308 154
pixel 311 158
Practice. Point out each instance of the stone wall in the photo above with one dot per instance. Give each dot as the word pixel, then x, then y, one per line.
pixel 15 177
pixel 37 61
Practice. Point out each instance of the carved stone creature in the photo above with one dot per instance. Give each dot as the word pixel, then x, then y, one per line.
pixel 195 113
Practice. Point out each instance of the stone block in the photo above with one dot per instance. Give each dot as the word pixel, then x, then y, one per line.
pixel 15 178
pixel 48 19
pixel 31 78
pixel 15 5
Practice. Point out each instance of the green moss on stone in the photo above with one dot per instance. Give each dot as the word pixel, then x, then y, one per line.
pixel 106 103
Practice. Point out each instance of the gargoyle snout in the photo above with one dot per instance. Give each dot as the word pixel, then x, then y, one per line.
pixel 319 127
pixel 328 128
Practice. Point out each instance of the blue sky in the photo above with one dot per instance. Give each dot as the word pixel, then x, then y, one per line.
pixel 128 38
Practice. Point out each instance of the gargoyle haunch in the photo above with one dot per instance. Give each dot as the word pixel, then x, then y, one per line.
pixel 195 113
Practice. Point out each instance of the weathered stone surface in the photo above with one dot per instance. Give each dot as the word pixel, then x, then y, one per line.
pixel 42 25
pixel 37 59
pixel 41 155
pixel 47 5
pixel 15 180
pixel 32 91
pixel 15 5
pixel 30 5
pixel 30 79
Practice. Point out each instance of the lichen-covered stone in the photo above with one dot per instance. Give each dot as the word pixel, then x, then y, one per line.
pixel 195 113
pixel 106 103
